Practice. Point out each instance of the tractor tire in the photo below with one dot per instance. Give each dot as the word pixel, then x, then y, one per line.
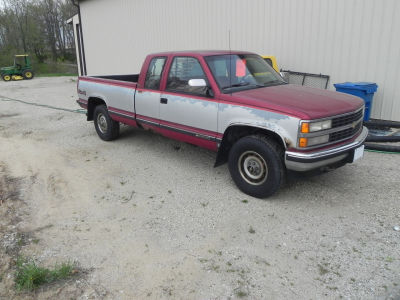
pixel 6 77
pixel 256 166
pixel 28 74
pixel 106 128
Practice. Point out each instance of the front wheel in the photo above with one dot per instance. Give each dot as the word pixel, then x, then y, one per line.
pixel 106 128
pixel 256 166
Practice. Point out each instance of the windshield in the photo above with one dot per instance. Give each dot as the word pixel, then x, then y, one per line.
pixel 237 72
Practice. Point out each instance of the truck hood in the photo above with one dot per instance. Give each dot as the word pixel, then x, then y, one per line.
pixel 303 102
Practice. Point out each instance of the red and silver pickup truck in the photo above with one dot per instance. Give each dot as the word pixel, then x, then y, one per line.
pixel 233 103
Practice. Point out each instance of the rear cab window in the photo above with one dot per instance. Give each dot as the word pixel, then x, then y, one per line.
pixel 154 72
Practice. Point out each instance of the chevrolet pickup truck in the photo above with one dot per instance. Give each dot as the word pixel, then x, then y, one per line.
pixel 235 104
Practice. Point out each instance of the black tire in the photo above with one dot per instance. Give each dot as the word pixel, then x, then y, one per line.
pixel 106 128
pixel 383 139
pixel 380 147
pixel 256 166
pixel 6 77
pixel 381 124
pixel 28 74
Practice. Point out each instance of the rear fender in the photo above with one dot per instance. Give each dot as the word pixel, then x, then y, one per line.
pixel 92 103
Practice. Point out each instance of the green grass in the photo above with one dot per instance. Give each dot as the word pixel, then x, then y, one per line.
pixel 29 276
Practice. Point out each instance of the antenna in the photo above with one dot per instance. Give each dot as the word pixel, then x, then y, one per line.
pixel 230 61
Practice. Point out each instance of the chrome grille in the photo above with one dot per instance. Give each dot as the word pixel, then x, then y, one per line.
pixel 347 119
pixel 344 134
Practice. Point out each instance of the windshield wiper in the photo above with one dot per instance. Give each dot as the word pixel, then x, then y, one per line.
pixel 274 82
pixel 242 84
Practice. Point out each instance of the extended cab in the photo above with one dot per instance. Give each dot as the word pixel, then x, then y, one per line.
pixel 233 103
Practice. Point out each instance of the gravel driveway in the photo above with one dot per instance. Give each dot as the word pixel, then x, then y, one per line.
pixel 150 218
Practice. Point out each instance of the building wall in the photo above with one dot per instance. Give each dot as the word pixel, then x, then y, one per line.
pixel 350 40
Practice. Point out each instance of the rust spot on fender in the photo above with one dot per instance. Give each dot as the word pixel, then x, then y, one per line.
pixel 288 143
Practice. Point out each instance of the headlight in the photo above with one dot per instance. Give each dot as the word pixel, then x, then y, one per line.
pixel 307 142
pixel 315 126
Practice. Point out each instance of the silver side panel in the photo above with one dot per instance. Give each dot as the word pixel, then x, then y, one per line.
pixel 285 126
pixel 189 111
pixel 114 96
pixel 148 103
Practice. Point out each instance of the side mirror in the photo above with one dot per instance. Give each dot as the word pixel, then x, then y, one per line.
pixel 197 82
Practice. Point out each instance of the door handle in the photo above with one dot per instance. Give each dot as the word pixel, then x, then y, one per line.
pixel 163 100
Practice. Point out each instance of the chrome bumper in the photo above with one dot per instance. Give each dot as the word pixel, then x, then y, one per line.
pixel 298 161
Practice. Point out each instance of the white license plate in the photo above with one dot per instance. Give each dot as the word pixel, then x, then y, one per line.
pixel 358 153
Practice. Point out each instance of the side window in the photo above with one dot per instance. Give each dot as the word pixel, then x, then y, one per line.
pixel 269 61
pixel 182 70
pixel 153 75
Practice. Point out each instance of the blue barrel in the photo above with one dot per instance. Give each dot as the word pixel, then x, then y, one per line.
pixel 364 90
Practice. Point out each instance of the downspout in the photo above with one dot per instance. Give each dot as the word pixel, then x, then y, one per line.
pixel 81 35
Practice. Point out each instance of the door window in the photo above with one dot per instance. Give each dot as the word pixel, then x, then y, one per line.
pixel 182 70
pixel 153 75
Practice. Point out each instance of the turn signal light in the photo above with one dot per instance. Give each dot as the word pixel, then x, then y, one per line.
pixel 303 141
pixel 305 127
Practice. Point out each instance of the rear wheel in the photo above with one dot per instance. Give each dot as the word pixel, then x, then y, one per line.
pixel 28 74
pixel 6 77
pixel 256 166
pixel 106 128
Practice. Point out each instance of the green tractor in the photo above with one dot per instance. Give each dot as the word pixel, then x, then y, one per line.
pixel 22 69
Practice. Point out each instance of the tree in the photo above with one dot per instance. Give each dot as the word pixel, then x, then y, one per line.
pixel 37 26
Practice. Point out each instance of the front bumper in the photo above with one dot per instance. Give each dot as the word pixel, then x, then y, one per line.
pixel 299 161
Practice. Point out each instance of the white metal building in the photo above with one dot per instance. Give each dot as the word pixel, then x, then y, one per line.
pixel 350 40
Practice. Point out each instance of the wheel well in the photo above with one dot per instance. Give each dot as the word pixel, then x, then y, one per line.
pixel 92 103
pixel 234 133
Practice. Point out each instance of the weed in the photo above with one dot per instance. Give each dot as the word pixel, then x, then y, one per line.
pixel 245 201
pixel 241 293
pixel 169 191
pixel 322 270
pixel 204 204
pixel 29 276
pixel 353 279
pixel 251 230
pixel 122 182
pixel 35 241
pixel 389 259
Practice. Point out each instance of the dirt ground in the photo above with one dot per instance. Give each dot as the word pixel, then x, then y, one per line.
pixel 145 217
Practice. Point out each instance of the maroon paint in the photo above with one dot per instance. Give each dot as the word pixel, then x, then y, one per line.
pixel 82 103
pixel 304 102
pixel 125 84
pixel 122 111
pixel 121 119
pixel 189 139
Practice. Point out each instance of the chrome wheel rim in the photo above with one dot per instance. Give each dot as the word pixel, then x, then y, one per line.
pixel 102 123
pixel 253 168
